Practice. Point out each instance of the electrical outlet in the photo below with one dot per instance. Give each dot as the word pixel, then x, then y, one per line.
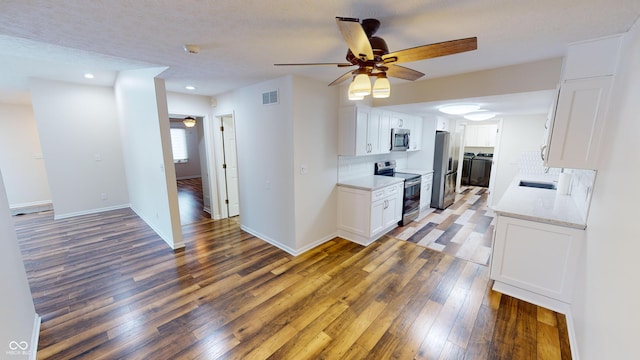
pixel 103 196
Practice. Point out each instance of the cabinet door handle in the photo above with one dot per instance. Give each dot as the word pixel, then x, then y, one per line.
pixel 386 204
pixel 542 148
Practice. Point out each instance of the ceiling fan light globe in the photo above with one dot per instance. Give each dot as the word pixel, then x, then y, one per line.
pixel 381 88
pixel 361 85
pixel 351 95
pixel 354 97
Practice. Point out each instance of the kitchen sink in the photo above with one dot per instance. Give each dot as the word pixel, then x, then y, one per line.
pixel 538 184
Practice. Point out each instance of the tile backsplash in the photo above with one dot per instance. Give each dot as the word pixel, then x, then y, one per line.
pixel 531 164
pixel 351 167
pixel 581 188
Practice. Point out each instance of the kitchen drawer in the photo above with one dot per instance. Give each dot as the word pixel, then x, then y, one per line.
pixel 388 191
pixel 378 194
pixel 385 192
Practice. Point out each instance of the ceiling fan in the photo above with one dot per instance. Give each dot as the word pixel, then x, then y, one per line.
pixel 373 59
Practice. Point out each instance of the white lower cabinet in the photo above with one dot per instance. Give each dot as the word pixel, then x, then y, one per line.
pixel 426 188
pixel 535 261
pixel 364 216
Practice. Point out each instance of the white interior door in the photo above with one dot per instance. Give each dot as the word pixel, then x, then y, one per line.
pixel 230 166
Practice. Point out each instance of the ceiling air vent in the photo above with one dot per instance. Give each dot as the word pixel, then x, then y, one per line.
pixel 270 97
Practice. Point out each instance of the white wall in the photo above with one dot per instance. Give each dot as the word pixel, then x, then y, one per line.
pixel 519 134
pixel 81 144
pixel 315 129
pixel 264 138
pixel 201 106
pixel 144 120
pixel 280 205
pixel 605 310
pixel 521 78
pixel 20 323
pixel 21 158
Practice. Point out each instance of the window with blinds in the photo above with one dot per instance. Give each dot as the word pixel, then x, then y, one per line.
pixel 179 145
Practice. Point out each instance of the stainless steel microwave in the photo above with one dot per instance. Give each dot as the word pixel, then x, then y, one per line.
pixel 400 139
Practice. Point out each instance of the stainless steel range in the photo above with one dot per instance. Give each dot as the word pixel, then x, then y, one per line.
pixel 411 195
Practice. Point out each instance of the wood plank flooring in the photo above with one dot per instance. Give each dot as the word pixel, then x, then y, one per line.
pixel 107 287
pixel 464 229
pixel 190 201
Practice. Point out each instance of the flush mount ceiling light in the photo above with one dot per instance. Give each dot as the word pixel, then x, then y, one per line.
pixel 480 116
pixel 189 121
pixel 190 87
pixel 89 76
pixel 459 109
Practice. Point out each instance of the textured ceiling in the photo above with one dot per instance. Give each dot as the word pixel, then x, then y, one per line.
pixel 241 40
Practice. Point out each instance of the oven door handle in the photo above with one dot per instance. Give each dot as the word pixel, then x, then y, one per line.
pixel 411 183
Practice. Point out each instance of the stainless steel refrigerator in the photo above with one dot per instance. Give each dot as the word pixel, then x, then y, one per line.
pixel 445 166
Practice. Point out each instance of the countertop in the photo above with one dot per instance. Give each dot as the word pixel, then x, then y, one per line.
pixel 415 171
pixel 371 182
pixel 541 205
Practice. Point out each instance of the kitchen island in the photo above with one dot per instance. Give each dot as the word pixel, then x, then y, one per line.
pixel 537 240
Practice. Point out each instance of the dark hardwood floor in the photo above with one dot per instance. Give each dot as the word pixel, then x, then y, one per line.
pixel 107 287
pixel 190 201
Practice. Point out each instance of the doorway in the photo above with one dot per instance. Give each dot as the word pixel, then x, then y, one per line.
pixel 190 159
pixel 230 189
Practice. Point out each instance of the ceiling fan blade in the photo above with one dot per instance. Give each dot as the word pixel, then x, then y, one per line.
pixel 316 64
pixel 355 37
pixel 432 50
pixel 402 72
pixel 342 78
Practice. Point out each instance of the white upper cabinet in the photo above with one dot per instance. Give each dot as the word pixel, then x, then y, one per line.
pixel 363 131
pixel 579 117
pixel 480 135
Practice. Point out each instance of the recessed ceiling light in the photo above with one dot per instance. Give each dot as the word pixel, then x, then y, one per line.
pixel 190 87
pixel 88 76
pixel 459 109
pixel 480 116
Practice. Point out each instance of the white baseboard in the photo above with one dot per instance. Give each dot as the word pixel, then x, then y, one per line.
pixel 315 244
pixel 89 212
pixel 573 342
pixel 269 240
pixel 31 207
pixel 35 336
pixel 172 245
pixel 289 250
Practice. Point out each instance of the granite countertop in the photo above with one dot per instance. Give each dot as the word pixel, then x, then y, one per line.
pixel 541 205
pixel 415 171
pixel 371 182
